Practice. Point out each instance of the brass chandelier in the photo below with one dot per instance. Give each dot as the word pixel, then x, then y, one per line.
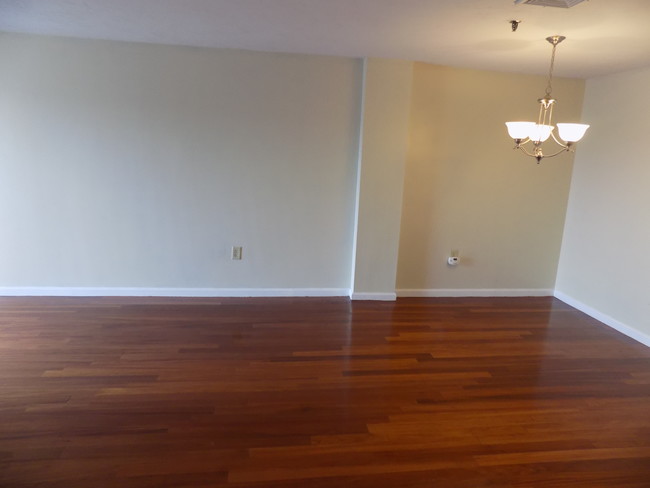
pixel 537 133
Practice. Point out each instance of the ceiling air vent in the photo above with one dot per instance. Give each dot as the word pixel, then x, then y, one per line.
pixel 550 3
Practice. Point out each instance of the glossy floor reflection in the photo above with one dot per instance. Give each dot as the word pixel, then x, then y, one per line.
pixel 449 393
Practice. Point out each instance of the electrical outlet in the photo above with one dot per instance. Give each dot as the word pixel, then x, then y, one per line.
pixel 236 253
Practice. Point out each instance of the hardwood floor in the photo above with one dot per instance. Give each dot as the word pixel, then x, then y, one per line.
pixel 445 393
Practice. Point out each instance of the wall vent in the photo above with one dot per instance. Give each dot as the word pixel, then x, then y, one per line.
pixel 550 3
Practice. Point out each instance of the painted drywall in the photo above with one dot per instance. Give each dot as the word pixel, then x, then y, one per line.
pixel 382 156
pixel 466 189
pixel 605 260
pixel 133 165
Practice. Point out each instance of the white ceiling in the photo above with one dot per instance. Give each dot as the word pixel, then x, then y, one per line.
pixel 603 36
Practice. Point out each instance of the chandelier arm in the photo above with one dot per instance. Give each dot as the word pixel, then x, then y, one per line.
pixel 564 149
pixel 544 156
pixel 523 149
pixel 559 141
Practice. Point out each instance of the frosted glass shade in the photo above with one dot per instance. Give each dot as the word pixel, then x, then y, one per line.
pixel 572 132
pixel 539 132
pixel 519 130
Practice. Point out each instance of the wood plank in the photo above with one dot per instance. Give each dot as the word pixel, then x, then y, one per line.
pixel 294 392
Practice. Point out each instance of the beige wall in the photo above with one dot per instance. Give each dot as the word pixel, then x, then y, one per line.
pixel 466 189
pixel 382 156
pixel 605 262
pixel 134 165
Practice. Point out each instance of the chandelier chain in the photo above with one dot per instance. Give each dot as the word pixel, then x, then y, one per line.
pixel 549 85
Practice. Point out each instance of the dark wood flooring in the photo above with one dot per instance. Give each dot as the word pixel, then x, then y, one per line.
pixel 444 393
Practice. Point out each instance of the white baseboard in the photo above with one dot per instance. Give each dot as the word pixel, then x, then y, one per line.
pixel 475 292
pixel 387 297
pixel 172 292
pixel 629 331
